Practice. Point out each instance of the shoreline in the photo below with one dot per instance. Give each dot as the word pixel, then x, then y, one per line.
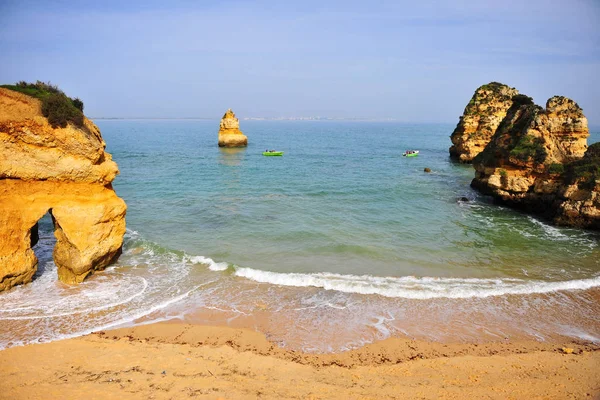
pixel 338 333
pixel 174 360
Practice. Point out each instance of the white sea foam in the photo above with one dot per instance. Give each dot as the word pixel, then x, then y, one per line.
pixel 548 229
pixel 580 237
pixel 131 297
pixel 414 287
pixel 212 265
pixel 381 326
pixel 112 324
pixel 130 233
pixel 76 304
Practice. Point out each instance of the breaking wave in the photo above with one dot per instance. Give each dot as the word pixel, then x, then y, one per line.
pixel 150 278
pixel 410 287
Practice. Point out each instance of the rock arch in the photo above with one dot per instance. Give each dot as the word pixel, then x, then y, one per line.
pixel 65 170
pixel 89 228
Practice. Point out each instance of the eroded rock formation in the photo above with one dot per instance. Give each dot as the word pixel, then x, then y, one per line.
pixel 65 171
pixel 479 121
pixel 229 132
pixel 537 161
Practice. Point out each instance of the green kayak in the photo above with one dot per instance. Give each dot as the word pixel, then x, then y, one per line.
pixel 411 153
pixel 272 153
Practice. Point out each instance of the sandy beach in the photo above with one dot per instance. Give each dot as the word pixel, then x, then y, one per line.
pixel 429 229
pixel 175 361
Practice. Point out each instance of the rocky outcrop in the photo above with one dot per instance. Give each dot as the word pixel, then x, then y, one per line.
pixel 580 191
pixel 229 132
pixel 479 121
pixel 537 161
pixel 64 171
pixel 33 150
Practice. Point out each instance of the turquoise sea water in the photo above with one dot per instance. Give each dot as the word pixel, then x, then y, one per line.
pixel 340 242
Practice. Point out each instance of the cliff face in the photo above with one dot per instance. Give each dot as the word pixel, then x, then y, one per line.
pixel 479 121
pixel 229 132
pixel 581 191
pixel 534 162
pixel 31 149
pixel 65 171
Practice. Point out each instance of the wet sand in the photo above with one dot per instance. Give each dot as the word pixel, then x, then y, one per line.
pixel 174 361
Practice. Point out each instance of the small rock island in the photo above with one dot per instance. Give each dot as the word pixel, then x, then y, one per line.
pixel 229 132
pixel 52 159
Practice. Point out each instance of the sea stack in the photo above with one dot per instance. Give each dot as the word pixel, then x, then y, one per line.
pixel 479 121
pixel 229 132
pixel 61 168
pixel 538 161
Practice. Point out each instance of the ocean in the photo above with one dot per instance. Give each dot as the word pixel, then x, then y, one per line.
pixel 339 243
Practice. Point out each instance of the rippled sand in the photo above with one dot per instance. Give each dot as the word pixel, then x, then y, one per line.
pixel 174 361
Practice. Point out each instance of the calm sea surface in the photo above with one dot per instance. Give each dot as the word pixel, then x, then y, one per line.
pixel 338 243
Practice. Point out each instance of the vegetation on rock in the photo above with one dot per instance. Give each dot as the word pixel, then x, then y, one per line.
pixel 511 142
pixel 493 86
pixel 480 119
pixel 529 148
pixel 66 171
pixel 557 104
pixel 538 160
pixel 587 170
pixel 522 100
pixel 57 107
pixel 556 168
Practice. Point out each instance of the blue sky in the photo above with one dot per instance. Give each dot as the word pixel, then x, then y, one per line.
pixel 412 61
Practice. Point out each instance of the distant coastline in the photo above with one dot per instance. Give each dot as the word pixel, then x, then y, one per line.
pixel 276 119
pixel 150 118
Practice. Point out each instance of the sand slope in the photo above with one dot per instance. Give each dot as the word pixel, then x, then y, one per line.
pixel 176 361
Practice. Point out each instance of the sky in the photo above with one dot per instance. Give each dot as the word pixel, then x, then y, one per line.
pixel 413 61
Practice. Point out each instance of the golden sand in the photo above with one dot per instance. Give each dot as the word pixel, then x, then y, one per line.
pixel 178 361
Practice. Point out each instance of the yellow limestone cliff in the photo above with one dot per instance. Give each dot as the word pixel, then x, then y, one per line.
pixel 479 121
pixel 229 132
pixel 64 171
pixel 538 160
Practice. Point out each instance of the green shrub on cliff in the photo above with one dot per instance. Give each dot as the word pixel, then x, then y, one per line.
pixel 39 90
pixel 78 104
pixel 556 168
pixel 60 110
pixel 56 105
pixel 587 170
pixel 521 100
pixel 495 86
pixel 503 177
pixel 529 148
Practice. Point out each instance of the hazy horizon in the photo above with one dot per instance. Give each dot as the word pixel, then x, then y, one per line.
pixel 385 60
